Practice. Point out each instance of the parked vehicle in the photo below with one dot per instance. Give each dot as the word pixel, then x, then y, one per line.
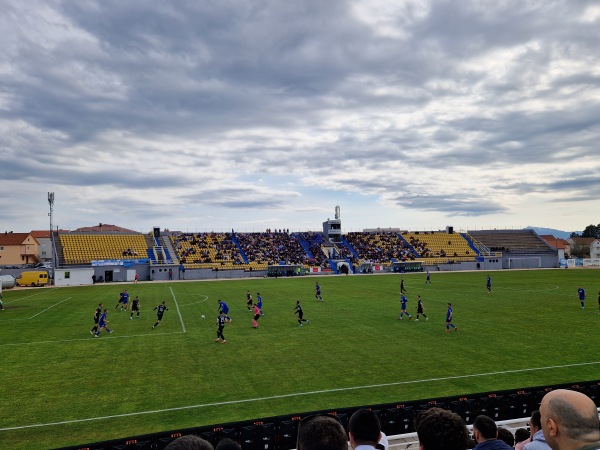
pixel 8 281
pixel 33 278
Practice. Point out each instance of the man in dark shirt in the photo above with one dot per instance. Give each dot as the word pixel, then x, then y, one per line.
pixel 159 314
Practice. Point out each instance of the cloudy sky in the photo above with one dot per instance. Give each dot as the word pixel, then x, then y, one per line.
pixel 246 114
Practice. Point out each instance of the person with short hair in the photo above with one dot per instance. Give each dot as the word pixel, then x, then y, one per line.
pixel 160 310
pixel 103 324
pixel 403 302
pixel 321 432
pixel 449 314
pixel 439 429
pixel 485 431
pixel 538 442
pixel 228 444
pixel 189 442
pixel 97 314
pixel 488 284
pixel 570 421
pixel 135 307
pixel 522 437
pixel 221 324
pixel 364 430
pixel 225 308
pixel 505 435
pixel 298 310
pixel 581 296
pixel 420 309
pixel 318 292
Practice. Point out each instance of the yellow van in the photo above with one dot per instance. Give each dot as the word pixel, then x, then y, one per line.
pixel 33 278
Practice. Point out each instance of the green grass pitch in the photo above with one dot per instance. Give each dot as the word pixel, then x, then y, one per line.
pixel 59 386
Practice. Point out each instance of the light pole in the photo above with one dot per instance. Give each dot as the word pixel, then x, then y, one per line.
pixel 52 243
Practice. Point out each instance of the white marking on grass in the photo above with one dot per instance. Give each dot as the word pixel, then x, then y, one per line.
pixel 89 339
pixel 296 394
pixel 49 307
pixel 199 301
pixel 23 298
pixel 178 311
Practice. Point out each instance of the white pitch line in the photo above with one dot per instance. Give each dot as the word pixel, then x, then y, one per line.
pixel 50 307
pixel 296 394
pixel 178 312
pixel 89 339
pixel 23 298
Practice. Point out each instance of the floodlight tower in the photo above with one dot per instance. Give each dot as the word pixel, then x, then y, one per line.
pixel 51 214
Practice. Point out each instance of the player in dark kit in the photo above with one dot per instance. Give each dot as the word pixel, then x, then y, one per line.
pixel 298 310
pixel 420 309
pixel 97 314
pixel 249 301
pixel 135 307
pixel 159 314
pixel 488 284
pixel 402 289
pixel 221 324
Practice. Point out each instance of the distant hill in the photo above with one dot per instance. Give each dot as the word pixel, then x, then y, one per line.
pixel 556 233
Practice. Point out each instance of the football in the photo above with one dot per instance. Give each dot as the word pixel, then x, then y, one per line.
pixel 203 316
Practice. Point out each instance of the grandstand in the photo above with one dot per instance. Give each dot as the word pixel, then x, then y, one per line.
pixel 251 254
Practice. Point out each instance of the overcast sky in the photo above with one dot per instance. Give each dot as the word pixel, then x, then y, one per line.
pixel 247 114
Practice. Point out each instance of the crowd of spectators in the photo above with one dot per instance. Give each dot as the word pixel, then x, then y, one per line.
pixel 272 247
pixel 206 248
pixel 380 247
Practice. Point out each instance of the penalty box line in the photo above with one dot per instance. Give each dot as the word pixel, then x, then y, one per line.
pixel 296 394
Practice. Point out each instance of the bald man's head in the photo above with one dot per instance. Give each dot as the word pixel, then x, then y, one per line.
pixel 569 416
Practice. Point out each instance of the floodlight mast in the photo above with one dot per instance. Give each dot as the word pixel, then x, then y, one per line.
pixel 52 242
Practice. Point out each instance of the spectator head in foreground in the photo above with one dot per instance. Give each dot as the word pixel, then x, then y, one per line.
pixel 228 444
pixel 189 442
pixel 439 429
pixel 569 420
pixel 321 432
pixel 364 428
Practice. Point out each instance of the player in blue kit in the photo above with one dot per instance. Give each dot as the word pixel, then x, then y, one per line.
pixel 488 284
pixel 449 314
pixel 259 303
pixel 428 278
pixel 403 302
pixel 581 296
pixel 224 309
pixel 318 292
pixel 103 324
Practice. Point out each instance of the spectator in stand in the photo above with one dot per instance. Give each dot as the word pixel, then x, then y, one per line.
pixel 504 434
pixel 522 437
pixel 439 429
pixel 570 421
pixel 364 430
pixel 189 442
pixel 319 432
pixel 538 442
pixel 228 444
pixel 485 431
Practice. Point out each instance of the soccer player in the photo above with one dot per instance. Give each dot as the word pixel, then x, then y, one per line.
pixel 428 278
pixel 298 310
pixel 120 299
pixel 249 300
pixel 125 300
pixel 135 307
pixel 581 296
pixel 225 309
pixel 103 324
pixel 221 324
pixel 256 316
pixel 402 290
pixel 449 323
pixel 403 302
pixel 318 292
pixel 159 314
pixel 259 303
pixel 488 284
pixel 420 309
pixel 97 314
pixel 598 301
